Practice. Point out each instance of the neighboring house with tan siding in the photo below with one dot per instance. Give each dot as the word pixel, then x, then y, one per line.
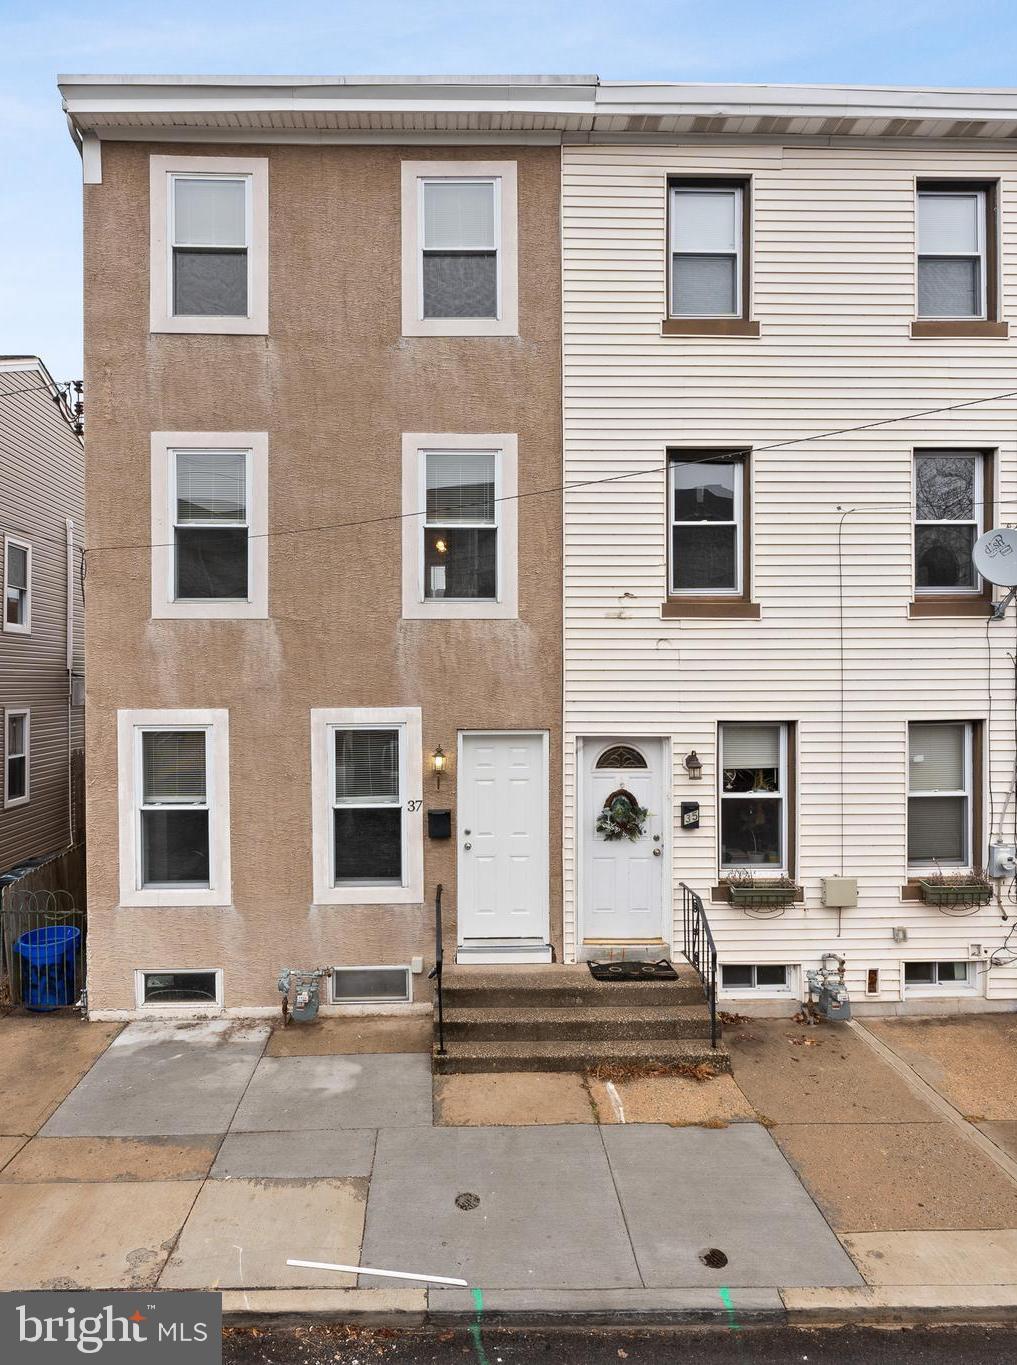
pixel 750 273
pixel 324 634
pixel 42 635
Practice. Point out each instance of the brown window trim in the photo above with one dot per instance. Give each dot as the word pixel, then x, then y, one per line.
pixel 721 893
pixel 722 604
pixel 709 327
pixel 956 603
pixel 911 890
pixel 990 325
pixel 719 326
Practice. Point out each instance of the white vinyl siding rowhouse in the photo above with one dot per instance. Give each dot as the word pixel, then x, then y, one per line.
pixel 833 654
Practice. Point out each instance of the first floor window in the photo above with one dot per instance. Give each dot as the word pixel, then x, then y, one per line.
pixel 761 976
pixel 367 807
pixel 753 795
pixel 461 525
pixel 939 793
pixel 209 231
pixel 210 524
pixel 174 808
pixel 949 502
pixel 17 585
pixel 946 974
pixel 707 520
pixel 16 757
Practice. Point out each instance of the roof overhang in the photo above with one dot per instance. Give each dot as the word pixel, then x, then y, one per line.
pixel 551 108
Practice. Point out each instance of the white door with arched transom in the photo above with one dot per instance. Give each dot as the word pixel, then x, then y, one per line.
pixel 625 888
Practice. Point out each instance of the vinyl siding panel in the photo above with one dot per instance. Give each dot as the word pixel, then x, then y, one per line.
pixel 833 288
pixel 41 484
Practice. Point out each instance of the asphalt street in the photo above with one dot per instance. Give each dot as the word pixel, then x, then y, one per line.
pixel 337 1344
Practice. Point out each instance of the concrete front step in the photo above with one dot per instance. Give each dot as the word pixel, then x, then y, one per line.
pixel 562 987
pixel 575 1055
pixel 583 1022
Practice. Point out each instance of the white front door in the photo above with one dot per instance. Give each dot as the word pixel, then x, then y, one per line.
pixel 502 832
pixel 624 880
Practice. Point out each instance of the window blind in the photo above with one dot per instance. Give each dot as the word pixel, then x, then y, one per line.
pixel 751 746
pixel 173 767
pixel 458 216
pixel 366 766
pixel 211 486
pixel 705 220
pixel 17 567
pixel 948 224
pixel 460 488
pixel 936 755
pixel 937 829
pixel 210 213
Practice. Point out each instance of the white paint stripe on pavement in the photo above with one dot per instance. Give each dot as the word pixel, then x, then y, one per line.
pixel 390 1274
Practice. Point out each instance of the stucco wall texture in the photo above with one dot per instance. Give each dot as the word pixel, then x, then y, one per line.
pixel 335 385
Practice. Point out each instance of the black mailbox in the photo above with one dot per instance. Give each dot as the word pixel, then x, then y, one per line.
pixel 439 824
pixel 690 815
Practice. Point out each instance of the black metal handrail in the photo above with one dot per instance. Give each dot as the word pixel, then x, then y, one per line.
pixel 435 973
pixel 700 950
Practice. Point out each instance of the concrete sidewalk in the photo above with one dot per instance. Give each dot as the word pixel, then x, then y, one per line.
pixel 204 1155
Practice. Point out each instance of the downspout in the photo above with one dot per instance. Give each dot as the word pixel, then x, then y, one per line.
pixel 69 658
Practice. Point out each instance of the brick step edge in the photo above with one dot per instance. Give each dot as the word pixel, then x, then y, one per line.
pixel 590 1023
pixel 632 994
pixel 573 1055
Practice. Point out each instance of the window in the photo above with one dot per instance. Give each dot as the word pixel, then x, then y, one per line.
pixel 168 989
pixel 17 586
pixel 953 252
pixel 947 975
pixel 17 730
pixel 707 525
pixel 209 227
pixel 210 524
pixel 940 793
pixel 366 776
pixel 760 976
pixel 459 248
pixel 949 517
pixel 460 549
pixel 621 756
pixel 363 985
pixel 753 796
pixel 174 804
pixel 708 258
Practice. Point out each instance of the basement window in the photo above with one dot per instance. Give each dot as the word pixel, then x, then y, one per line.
pixel 945 976
pixel 180 988
pixel 371 985
pixel 754 976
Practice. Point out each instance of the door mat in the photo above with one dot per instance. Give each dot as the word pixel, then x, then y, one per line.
pixel 633 971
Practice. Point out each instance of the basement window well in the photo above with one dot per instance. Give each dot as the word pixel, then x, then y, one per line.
pixel 371 985
pixel 180 988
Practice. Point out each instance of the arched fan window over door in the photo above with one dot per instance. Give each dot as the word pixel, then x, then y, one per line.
pixel 621 756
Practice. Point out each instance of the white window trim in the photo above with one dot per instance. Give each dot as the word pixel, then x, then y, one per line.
pixel 324 720
pixel 962 191
pixel 967 863
pixel 24 627
pixel 506 236
pixel 786 992
pixel 165 445
pixel 978 497
pixel 764 869
pixel 505 448
pixel 161 170
pixel 948 988
pixel 130 726
pixel 737 462
pixel 13 801
pixel 201 1007
pixel 701 188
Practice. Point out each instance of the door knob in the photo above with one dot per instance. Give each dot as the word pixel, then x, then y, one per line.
pixel 467 845
pixel 656 852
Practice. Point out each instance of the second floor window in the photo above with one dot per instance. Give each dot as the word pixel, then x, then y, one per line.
pixel 17 585
pixel 953 242
pixel 707 250
pixel 940 786
pixel 209 235
pixel 460 528
pixel 174 809
pixel 707 525
pixel 949 502
pixel 459 248
pixel 210 531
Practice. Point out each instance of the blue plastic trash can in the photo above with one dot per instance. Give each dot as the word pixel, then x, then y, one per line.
pixel 47 966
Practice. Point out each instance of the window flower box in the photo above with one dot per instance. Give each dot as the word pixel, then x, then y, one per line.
pixel 976 891
pixel 762 893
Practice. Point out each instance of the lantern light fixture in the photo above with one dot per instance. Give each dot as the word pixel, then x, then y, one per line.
pixel 693 766
pixel 439 764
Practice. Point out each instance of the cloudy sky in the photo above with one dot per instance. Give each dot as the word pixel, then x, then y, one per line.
pixel 880 42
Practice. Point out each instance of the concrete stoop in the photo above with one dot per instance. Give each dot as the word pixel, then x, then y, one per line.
pixel 560 1018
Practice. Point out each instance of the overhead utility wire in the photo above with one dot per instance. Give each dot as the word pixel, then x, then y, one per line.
pixel 589 483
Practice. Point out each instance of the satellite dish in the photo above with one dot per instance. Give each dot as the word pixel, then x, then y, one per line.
pixel 995 557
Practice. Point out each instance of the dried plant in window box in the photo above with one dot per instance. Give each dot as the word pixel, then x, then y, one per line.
pixel 960 890
pixel 755 892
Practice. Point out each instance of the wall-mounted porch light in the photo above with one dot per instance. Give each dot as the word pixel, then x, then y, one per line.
pixel 439 763
pixel 693 766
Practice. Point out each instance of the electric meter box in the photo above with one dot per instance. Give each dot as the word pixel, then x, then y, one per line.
pixel 840 892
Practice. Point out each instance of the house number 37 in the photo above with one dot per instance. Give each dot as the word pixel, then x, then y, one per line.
pixel 414 805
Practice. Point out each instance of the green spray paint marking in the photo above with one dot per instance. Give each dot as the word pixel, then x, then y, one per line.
pixel 728 1302
pixel 474 1329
